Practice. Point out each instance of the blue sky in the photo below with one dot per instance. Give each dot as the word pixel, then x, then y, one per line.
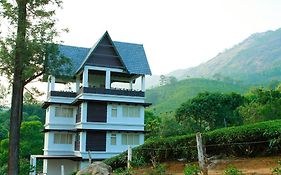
pixel 176 33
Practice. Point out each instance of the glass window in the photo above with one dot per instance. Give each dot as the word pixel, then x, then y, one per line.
pixel 113 139
pixel 130 139
pixel 114 111
pixel 63 112
pixel 62 138
pixel 136 139
pixel 69 138
pixel 56 138
pixel 125 111
pixel 124 139
pixel 131 111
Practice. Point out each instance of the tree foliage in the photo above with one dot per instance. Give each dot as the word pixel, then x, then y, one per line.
pixel 211 110
pixel 262 105
pixel 39 35
pixel 26 51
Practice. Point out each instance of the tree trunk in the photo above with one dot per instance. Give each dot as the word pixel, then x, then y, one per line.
pixel 17 96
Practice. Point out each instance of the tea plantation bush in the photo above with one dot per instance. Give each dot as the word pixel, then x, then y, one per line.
pixel 261 139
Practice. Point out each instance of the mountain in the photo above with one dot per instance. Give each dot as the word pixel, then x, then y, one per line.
pixel 169 97
pixel 256 60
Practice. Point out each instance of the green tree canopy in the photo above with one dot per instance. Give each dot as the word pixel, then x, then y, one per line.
pixel 211 110
pixel 26 51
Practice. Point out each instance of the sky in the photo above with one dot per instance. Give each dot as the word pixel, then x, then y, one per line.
pixel 176 34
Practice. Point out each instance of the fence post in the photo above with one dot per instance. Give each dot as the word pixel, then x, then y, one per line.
pixel 201 158
pixel 62 170
pixel 90 158
pixel 129 156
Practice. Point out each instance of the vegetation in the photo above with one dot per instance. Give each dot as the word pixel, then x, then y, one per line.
pixel 25 53
pixel 191 169
pixel 31 137
pixel 255 61
pixel 261 139
pixel 232 170
pixel 169 97
pixel 277 170
pixel 210 111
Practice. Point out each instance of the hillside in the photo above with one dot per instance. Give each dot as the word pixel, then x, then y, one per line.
pixel 256 60
pixel 169 97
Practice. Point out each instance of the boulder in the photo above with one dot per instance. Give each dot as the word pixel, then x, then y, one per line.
pixel 96 168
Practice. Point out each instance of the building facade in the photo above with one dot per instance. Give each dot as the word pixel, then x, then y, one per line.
pixel 103 114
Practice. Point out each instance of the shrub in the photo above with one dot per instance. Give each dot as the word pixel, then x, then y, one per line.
pixel 158 169
pixel 277 170
pixel 232 170
pixel 172 148
pixel 191 169
pixel 126 171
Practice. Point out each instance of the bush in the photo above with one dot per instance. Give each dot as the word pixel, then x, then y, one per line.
pixel 172 148
pixel 191 170
pixel 232 170
pixel 277 170
pixel 126 171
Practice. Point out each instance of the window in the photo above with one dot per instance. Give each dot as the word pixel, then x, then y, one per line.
pixel 130 139
pixel 113 139
pixel 63 112
pixel 131 111
pixel 114 111
pixel 62 138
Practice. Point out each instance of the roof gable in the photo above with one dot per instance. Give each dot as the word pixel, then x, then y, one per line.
pixel 105 52
pixel 134 57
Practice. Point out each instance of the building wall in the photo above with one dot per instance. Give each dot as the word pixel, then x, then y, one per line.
pixel 50 148
pixel 54 166
pixel 118 148
pixel 120 119
pixel 52 119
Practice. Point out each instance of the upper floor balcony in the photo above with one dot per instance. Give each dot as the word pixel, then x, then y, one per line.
pixel 98 80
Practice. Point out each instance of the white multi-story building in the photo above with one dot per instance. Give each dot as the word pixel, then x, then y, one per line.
pixel 99 118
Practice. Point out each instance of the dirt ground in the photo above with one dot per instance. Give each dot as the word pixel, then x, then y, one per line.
pixel 249 166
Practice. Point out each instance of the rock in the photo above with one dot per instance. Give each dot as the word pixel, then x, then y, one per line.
pixel 96 168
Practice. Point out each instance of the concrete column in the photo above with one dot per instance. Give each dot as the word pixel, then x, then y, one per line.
pixel 83 142
pixel 48 81
pixel 131 85
pixel 143 83
pixel 77 83
pixel 53 81
pixel 84 109
pixel 33 164
pixel 107 79
pixel 85 77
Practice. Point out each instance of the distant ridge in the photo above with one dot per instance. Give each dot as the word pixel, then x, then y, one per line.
pixel 255 61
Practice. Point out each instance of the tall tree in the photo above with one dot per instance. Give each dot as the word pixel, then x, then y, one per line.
pixel 211 110
pixel 25 53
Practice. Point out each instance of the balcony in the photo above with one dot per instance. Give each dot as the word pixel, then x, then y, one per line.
pixel 112 91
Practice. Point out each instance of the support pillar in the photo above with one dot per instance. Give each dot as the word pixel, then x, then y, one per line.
pixel 33 165
pixel 77 83
pixel 53 81
pixel 85 77
pixel 107 79
pixel 143 83
pixel 131 85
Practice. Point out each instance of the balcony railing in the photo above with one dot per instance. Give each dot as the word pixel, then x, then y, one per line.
pixel 113 91
pixel 63 94
pixel 94 90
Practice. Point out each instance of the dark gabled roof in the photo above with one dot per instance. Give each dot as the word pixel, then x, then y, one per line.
pixel 75 54
pixel 132 56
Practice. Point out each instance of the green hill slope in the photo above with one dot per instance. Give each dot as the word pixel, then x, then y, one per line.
pixel 169 97
pixel 256 61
